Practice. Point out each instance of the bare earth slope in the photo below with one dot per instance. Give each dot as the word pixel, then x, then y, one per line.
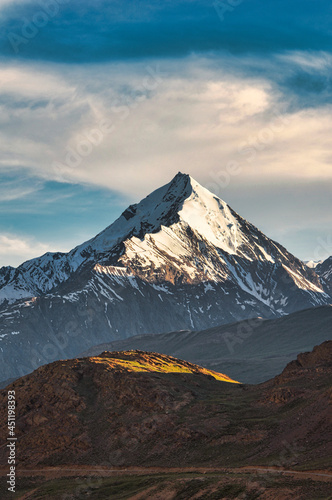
pixel 138 425
pixel 143 409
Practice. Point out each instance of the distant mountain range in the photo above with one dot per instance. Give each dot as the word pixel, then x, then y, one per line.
pixel 251 351
pixel 179 259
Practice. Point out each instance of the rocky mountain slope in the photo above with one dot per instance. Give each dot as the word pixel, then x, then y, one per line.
pixel 142 409
pixel 251 351
pixel 179 259
pixel 324 271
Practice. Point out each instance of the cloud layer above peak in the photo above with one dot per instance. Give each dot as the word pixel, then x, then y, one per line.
pixel 151 119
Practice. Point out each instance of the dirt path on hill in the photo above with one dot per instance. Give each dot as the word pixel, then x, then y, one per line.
pixel 77 471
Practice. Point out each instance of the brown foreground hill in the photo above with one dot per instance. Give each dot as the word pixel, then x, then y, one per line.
pixel 138 409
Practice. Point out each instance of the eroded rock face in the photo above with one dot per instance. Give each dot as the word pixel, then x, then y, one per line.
pixel 139 408
pixel 302 393
pixel 297 378
pixel 324 271
pixel 309 364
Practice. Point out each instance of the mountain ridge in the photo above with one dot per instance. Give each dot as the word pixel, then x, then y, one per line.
pixel 324 271
pixel 152 216
pixel 251 351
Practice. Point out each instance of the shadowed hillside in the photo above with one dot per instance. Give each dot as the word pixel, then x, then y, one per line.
pixel 145 409
pixel 251 351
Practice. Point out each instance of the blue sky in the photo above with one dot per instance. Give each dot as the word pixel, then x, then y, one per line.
pixel 102 102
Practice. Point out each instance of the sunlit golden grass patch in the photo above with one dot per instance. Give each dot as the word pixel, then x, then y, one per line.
pixel 137 361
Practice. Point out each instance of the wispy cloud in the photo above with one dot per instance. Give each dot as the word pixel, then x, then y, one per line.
pixel 17 184
pixel 197 117
pixel 14 250
pixel 24 81
pixel 310 61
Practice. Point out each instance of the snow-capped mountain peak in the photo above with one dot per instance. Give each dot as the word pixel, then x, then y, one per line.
pixel 180 233
pixel 42 274
pixel 158 208
pixel 181 200
pixel 312 264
